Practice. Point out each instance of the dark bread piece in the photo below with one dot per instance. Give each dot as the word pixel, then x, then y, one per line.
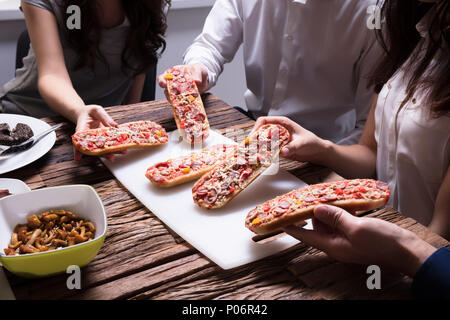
pixel 5 135
pixel 6 140
pixel 5 129
pixel 21 133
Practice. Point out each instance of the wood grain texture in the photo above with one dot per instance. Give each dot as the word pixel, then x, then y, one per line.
pixel 143 259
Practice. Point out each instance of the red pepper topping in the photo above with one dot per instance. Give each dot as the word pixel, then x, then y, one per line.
pixel 162 165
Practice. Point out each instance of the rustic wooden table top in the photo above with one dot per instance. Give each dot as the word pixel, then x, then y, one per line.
pixel 142 259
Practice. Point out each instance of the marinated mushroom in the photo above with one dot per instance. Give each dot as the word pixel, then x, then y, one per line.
pixel 48 231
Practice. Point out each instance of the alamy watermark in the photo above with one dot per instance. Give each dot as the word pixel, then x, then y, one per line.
pixel 74 280
pixel 374 280
pixel 374 19
pixel 74 20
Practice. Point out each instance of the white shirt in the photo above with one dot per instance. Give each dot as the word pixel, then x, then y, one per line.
pixel 304 59
pixel 413 149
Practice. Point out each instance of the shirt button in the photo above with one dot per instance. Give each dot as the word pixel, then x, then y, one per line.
pixel 289 37
pixel 389 86
pixel 414 100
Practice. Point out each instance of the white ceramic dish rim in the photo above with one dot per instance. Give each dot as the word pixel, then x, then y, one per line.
pixel 34 153
pixel 23 185
pixel 3 256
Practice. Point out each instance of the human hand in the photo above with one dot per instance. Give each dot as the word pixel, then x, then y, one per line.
pixel 303 144
pixel 198 72
pixel 347 238
pixel 92 117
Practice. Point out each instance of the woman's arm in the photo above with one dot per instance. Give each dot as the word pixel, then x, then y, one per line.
pixel 134 94
pixel 358 160
pixel 54 82
pixel 440 223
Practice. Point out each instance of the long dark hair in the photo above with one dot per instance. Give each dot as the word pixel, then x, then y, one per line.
pixel 145 40
pixel 399 39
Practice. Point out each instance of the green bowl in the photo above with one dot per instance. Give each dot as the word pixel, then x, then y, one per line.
pixel 83 200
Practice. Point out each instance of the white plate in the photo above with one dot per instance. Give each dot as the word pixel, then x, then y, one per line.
pixel 23 158
pixel 13 185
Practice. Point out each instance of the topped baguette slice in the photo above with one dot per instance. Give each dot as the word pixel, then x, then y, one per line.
pixel 250 159
pixel 187 105
pixel 187 168
pixel 298 205
pixel 131 135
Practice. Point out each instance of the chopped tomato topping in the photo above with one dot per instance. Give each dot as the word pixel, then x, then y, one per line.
pixel 162 165
pixel 200 117
pixel 245 174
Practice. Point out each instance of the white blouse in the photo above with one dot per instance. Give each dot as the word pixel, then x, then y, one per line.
pixel 413 150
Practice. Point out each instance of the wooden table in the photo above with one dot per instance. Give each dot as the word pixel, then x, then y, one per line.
pixel 142 259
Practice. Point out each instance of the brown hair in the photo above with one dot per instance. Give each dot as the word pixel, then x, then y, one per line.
pixel 399 39
pixel 145 39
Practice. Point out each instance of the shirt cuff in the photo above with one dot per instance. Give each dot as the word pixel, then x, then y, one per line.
pixel 432 281
pixel 212 77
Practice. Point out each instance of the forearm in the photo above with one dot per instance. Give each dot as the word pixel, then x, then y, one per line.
pixel 60 95
pixel 354 136
pixel 440 223
pixel 413 252
pixel 355 161
pixel 440 227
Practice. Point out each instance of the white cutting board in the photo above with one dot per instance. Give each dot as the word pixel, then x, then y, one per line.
pixel 219 234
